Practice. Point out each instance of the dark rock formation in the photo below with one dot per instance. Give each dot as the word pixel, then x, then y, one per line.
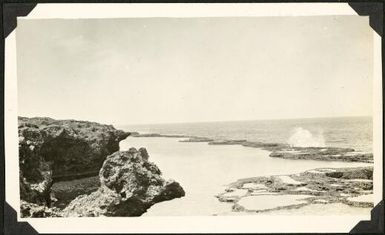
pixel 130 184
pixel 323 154
pixel 69 146
pixel 69 153
pixel 60 149
pixel 63 192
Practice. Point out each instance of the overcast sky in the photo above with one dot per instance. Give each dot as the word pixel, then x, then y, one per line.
pixel 162 70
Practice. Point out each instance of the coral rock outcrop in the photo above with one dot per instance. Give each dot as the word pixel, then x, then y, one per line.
pixel 52 150
pixel 129 185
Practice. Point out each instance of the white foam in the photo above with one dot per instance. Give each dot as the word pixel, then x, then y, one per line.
pixel 304 138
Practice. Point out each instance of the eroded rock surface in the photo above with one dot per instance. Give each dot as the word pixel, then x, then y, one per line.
pixel 71 153
pixel 130 184
pixel 52 150
pixel 29 209
pixel 351 186
pixel 68 147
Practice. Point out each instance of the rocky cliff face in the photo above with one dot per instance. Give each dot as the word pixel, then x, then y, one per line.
pixel 54 150
pixel 129 185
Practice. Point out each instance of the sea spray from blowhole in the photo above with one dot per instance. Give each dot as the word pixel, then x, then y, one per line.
pixel 304 138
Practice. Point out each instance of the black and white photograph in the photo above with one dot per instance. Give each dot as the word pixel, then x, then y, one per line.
pixel 211 116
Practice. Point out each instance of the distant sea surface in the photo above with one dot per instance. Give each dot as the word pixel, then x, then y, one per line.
pixel 352 132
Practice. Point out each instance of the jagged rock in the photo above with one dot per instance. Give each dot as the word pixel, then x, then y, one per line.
pixel 129 185
pixel 61 149
pixel 37 211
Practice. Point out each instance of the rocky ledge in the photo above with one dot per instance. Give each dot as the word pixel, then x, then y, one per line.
pixel 281 150
pixel 351 186
pixel 137 134
pixel 57 150
pixel 286 151
pixel 323 154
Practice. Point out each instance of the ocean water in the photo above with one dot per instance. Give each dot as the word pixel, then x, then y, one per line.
pixel 205 170
pixel 352 132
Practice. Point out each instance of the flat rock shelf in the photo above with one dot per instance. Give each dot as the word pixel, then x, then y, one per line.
pixel 353 187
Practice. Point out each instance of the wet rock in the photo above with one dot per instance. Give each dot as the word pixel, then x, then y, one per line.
pixel 129 185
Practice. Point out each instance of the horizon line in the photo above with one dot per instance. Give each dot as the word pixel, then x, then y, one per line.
pixel 240 120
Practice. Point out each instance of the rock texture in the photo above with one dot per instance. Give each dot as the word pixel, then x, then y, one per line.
pixel 351 186
pixel 70 153
pixel 129 185
pixel 67 147
pixel 63 192
pixel 28 209
pixel 60 149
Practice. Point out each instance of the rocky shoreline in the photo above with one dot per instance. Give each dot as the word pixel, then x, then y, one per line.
pixel 334 186
pixel 74 168
pixel 280 150
pixel 104 180
pixel 351 186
